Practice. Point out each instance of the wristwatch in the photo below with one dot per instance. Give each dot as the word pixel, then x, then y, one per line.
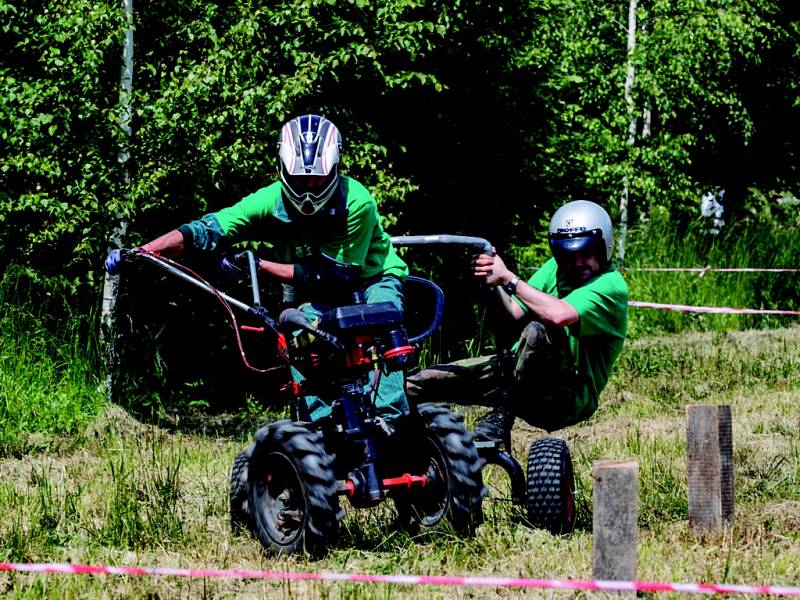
pixel 511 286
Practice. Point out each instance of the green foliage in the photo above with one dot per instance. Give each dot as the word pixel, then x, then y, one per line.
pixel 422 90
pixel 217 85
pixel 698 61
pixel 58 178
pixel 698 68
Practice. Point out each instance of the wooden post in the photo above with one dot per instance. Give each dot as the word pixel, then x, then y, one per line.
pixel 614 522
pixel 709 454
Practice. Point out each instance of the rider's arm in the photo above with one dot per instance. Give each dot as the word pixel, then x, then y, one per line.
pixel 512 307
pixel 169 244
pixel 546 308
pixel 282 271
pixel 549 309
pixel 236 222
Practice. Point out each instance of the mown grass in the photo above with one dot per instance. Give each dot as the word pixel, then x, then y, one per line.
pixel 133 494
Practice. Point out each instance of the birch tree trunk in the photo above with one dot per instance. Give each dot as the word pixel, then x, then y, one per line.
pixel 629 81
pixel 108 329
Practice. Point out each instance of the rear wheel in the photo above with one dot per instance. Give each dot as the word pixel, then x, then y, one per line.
pixel 293 498
pixel 551 486
pixel 455 488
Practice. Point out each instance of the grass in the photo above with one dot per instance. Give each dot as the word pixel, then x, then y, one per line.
pixel 659 244
pixel 128 493
pixel 48 386
pixel 84 482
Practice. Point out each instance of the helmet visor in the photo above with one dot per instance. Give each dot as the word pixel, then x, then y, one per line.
pixel 582 242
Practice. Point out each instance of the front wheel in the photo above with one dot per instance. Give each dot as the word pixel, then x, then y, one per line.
pixel 237 500
pixel 551 486
pixel 293 501
pixel 447 455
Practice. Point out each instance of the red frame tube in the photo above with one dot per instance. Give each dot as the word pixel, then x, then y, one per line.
pixel 406 480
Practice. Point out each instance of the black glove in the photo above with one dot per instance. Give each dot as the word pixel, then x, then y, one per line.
pixel 319 269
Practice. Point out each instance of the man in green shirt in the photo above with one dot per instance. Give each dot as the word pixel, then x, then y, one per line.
pixel 325 231
pixel 575 314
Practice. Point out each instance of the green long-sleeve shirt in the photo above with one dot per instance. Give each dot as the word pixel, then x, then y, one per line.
pixel 357 239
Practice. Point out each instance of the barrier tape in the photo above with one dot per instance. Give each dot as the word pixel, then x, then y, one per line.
pixel 709 270
pixel 713 309
pixel 497 582
pixel 701 270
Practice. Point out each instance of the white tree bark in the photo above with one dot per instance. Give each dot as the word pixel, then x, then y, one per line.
pixel 629 82
pixel 108 329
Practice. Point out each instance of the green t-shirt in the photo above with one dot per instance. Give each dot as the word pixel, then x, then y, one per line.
pixel 597 337
pixel 358 239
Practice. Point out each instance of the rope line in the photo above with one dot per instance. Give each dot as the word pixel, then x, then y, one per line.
pixel 713 309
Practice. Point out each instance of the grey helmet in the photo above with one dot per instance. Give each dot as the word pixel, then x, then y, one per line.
pixel 309 147
pixel 581 226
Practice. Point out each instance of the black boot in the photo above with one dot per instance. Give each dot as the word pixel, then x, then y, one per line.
pixel 495 426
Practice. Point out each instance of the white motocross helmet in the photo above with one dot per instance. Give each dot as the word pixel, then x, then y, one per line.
pixel 309 147
pixel 581 226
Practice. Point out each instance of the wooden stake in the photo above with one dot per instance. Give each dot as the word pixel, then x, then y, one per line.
pixel 614 523
pixel 709 454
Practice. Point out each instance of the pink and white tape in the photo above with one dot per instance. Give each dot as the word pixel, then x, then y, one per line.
pixel 710 270
pixel 496 582
pixel 713 309
pixel 701 270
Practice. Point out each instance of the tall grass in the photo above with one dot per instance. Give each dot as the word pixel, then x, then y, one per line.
pixel 660 243
pixel 48 382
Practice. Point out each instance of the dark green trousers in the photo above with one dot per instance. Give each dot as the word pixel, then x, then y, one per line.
pixel 538 381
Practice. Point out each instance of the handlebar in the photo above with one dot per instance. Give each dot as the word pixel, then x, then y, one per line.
pixel 293 316
pixel 478 243
pixel 251 263
pixel 163 264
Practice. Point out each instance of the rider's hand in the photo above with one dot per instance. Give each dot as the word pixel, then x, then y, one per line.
pixel 114 261
pixel 118 257
pixel 229 267
pixel 492 269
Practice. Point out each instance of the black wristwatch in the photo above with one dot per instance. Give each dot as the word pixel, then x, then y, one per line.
pixel 511 286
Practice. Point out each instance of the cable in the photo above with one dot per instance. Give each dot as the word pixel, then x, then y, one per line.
pixel 228 308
